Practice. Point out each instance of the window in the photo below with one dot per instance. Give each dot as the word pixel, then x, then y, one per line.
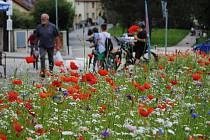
pixel 77 3
pixel 21 39
pixel 93 15
pixel 87 15
pixel 93 4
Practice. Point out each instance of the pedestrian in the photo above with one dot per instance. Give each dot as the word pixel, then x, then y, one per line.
pixel 93 38
pixel 102 44
pixel 32 41
pixel 48 38
pixel 140 44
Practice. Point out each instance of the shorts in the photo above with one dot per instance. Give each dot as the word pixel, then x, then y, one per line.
pixel 139 51
pixel 101 56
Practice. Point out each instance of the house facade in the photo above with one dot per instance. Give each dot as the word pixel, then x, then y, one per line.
pixel 86 9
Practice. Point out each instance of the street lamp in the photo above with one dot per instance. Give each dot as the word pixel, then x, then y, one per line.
pixel 56 13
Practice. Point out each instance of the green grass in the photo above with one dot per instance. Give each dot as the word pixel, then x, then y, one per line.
pixel 117 30
pixel 203 39
pixel 158 35
pixel 174 36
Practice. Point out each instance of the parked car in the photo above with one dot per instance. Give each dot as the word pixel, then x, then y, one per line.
pixel 203 47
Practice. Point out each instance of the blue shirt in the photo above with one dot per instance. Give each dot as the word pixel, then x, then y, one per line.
pixel 46 35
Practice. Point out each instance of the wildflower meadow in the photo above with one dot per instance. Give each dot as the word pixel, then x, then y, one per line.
pixel 165 100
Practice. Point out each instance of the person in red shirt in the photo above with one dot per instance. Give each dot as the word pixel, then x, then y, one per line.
pixel 32 40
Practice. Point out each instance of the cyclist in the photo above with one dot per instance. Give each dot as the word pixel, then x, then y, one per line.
pixel 140 44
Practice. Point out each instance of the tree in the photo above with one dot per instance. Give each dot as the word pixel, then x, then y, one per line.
pixel 125 11
pixel 181 12
pixel 65 12
pixel 22 20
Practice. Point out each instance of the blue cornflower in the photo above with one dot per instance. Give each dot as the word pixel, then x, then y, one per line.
pixel 129 96
pixel 209 113
pixel 194 115
pixel 161 131
pixel 105 133
pixel 65 93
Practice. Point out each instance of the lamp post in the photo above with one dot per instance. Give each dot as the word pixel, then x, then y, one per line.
pixel 56 13
pixel 165 16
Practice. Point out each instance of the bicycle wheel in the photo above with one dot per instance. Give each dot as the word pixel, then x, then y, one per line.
pixel 153 57
pixel 113 61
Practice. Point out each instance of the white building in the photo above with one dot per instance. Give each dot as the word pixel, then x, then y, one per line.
pixel 85 9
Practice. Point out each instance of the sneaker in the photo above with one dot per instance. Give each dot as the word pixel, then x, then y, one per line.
pixel 42 74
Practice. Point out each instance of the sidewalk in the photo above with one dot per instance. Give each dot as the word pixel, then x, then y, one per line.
pixel 184 45
pixel 15 60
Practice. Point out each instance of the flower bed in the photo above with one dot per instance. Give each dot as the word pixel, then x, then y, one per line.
pixel 168 100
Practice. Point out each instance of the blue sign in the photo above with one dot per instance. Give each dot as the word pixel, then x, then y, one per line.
pixel 164 8
pixel 4 6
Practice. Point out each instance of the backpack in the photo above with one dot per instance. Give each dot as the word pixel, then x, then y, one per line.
pixel 108 45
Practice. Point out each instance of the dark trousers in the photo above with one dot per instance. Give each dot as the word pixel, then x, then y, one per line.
pixel 33 48
pixel 50 52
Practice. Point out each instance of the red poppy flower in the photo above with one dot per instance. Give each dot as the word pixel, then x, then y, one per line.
pixel 168 87
pixel 103 107
pixel 42 95
pixel 161 106
pixel 117 61
pixel 145 111
pixel 19 100
pixel 1 101
pixel 17 82
pixel 107 79
pixel 196 77
pixel 73 66
pixel 147 85
pixel 2 136
pixel 84 96
pixel 27 105
pixel 141 88
pixel 30 59
pixel 150 96
pixel 80 138
pixel 74 74
pixel 17 126
pixel 38 85
pixel 58 63
pixel 40 131
pixel 12 96
pixel 90 78
pixel 161 67
pixel 56 83
pixel 171 58
pixel 163 76
pixel 93 90
pixel 174 82
pixel 137 85
pixel 69 79
pixel 103 72
pixel 62 70
pixel 126 68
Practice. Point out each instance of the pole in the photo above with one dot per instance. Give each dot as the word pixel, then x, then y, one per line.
pixel 56 13
pixel 9 41
pixel 147 29
pixel 166 31
pixel 5 32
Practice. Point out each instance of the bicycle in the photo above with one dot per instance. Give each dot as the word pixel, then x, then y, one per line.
pixel 127 51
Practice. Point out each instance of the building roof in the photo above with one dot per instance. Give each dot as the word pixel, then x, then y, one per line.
pixel 87 0
pixel 26 4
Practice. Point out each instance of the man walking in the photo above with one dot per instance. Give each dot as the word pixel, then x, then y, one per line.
pixel 48 38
